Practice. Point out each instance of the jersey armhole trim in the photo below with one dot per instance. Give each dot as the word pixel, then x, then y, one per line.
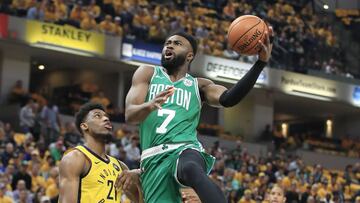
pixel 155 72
pixel 197 91
pixel 122 164
pixel 83 175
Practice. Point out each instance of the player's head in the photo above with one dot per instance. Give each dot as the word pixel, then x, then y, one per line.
pixel 277 195
pixel 179 49
pixel 92 120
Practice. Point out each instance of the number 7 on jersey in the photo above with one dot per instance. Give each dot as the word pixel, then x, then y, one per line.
pixel 171 114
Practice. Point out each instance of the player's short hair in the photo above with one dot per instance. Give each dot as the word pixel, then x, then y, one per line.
pixel 83 112
pixel 192 40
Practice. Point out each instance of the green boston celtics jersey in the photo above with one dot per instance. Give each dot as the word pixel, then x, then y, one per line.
pixel 179 117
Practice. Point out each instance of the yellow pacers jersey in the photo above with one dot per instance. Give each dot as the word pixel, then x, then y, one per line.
pixel 98 185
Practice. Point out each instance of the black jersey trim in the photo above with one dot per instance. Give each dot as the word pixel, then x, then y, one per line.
pixel 97 156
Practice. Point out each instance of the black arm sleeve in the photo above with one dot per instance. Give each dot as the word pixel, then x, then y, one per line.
pixel 234 95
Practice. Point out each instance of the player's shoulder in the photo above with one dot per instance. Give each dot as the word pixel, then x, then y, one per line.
pixel 74 161
pixel 203 82
pixel 144 72
pixel 146 69
pixel 73 155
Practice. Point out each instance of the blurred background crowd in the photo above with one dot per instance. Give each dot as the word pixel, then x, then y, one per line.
pixel 306 40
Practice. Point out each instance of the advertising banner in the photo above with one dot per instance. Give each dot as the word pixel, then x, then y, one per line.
pixel 141 51
pixel 224 70
pixel 64 36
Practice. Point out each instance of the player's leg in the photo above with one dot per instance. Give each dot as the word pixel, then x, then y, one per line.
pixel 158 182
pixel 191 172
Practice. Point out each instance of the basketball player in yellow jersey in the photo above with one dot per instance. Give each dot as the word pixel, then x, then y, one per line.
pixel 87 174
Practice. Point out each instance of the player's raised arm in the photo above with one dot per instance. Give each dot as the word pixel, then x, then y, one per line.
pixel 217 95
pixel 136 108
pixel 71 167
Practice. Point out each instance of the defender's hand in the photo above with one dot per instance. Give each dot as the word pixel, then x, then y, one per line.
pixel 127 178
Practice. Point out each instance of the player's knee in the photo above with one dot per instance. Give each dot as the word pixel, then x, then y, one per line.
pixel 191 169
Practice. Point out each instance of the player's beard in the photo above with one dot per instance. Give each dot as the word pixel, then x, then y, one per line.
pixel 103 137
pixel 173 64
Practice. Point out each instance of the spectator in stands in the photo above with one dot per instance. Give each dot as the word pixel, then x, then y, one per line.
pixel 57 149
pixel 292 195
pixel 247 198
pixel 25 197
pixel 100 98
pixel 317 173
pixel 77 14
pixel 133 153
pixel 141 22
pixel 27 116
pixel 108 8
pixel 126 140
pixel 229 11
pixel 18 93
pixel 36 12
pixel 9 134
pixel 118 29
pixel 51 122
pixel 94 10
pixel 19 7
pixel 22 174
pixel 21 193
pixel 155 34
pixel 107 26
pixel 8 154
pixel 50 13
pixel 52 189
pixel 350 176
pixel 37 180
pixel 71 138
pixel 61 12
pixel 3 197
pixel 88 23
pixel 238 150
pixel 277 195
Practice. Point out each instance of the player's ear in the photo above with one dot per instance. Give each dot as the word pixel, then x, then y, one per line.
pixel 84 126
pixel 190 57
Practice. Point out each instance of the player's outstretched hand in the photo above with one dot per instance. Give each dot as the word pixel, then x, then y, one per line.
pixel 266 47
pixel 127 179
pixel 162 97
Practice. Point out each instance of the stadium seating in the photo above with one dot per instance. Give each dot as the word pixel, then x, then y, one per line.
pixel 303 41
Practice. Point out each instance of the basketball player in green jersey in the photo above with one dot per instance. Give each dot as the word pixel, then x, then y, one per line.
pixel 166 102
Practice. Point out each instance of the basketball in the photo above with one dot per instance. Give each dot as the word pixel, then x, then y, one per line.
pixel 244 34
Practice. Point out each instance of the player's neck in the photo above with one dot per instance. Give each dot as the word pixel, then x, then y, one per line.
pixel 178 73
pixel 96 146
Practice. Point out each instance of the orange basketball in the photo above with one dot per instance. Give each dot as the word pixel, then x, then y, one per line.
pixel 244 34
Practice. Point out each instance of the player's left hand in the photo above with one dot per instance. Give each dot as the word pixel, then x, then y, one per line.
pixel 266 47
pixel 127 178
